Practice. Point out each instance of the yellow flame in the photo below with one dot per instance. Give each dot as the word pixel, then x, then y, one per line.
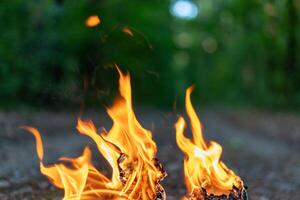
pixel 38 139
pixel 202 165
pixel 92 21
pixel 127 147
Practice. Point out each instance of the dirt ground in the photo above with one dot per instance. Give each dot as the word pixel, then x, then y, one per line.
pixel 262 147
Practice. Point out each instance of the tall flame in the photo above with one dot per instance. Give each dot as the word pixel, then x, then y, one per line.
pixel 202 165
pixel 127 147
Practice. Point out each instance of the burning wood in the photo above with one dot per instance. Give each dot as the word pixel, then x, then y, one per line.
pixel 131 153
pixel 206 177
pixel 127 147
pixel 234 194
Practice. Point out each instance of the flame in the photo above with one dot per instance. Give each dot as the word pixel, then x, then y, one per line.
pixel 127 147
pixel 202 165
pixel 92 21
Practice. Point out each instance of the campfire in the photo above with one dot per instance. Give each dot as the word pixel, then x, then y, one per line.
pixel 136 173
pixel 206 177
pixel 127 147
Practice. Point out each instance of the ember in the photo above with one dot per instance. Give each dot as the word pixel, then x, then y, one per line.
pixel 92 21
pixel 206 177
pixel 127 147
pixel 127 31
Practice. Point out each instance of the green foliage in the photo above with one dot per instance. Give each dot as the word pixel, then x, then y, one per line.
pixel 235 52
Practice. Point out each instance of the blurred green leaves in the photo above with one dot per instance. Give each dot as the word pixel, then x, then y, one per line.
pixel 235 52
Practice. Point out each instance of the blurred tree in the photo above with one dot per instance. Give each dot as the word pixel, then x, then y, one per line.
pixel 291 71
pixel 236 52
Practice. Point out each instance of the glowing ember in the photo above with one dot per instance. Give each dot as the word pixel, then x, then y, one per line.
pixel 127 147
pixel 127 31
pixel 92 21
pixel 203 170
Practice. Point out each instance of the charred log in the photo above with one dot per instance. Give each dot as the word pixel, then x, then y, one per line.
pixel 125 174
pixel 160 192
pixel 235 194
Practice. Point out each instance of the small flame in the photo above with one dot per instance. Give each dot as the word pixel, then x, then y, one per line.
pixel 202 165
pixel 92 21
pixel 127 147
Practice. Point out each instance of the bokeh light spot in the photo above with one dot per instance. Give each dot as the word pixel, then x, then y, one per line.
pixel 184 9
pixel 183 39
pixel 210 45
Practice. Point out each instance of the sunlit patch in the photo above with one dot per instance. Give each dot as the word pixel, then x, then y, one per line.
pixel 92 21
pixel 184 9
pixel 270 9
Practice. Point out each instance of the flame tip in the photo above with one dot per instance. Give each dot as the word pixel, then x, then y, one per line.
pixel 38 140
pixel 191 87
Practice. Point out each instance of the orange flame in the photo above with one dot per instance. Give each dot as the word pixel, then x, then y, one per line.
pixel 202 165
pixel 92 21
pixel 127 147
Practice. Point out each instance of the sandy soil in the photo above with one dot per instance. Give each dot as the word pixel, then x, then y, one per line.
pixel 262 147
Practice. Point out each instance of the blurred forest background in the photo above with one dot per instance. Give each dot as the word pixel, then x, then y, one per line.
pixel 236 52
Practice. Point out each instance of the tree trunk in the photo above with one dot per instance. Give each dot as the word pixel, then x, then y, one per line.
pixel 291 59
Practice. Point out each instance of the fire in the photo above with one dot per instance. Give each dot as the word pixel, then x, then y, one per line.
pixel 202 165
pixel 92 21
pixel 127 147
